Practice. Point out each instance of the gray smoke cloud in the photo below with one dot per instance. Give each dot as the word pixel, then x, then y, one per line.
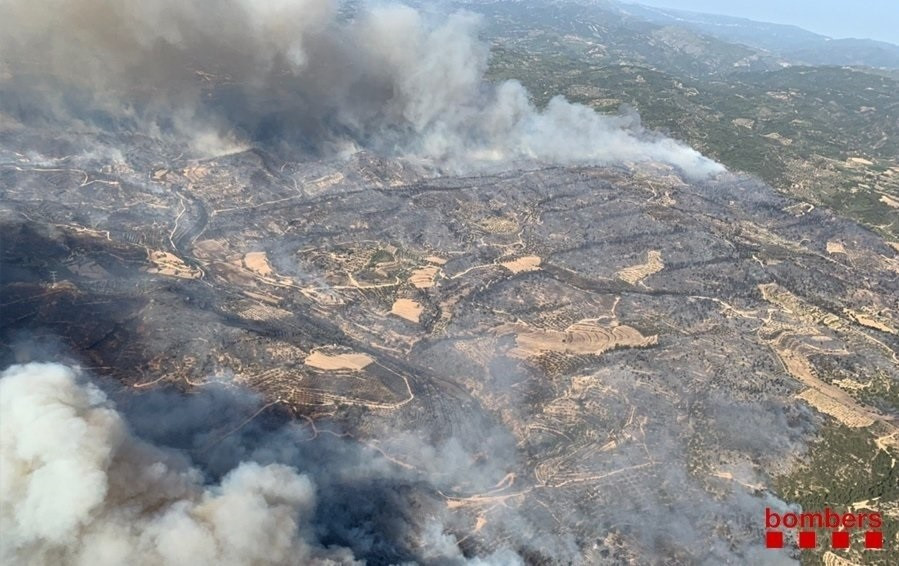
pixel 77 486
pixel 305 73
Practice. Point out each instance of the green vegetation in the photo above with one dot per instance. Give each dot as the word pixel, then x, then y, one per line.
pixel 883 391
pixel 846 467
pixel 380 256
pixel 825 135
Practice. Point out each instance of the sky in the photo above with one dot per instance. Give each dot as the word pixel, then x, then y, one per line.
pixel 872 19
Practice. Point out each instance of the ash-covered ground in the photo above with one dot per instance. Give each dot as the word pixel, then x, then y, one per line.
pixel 565 364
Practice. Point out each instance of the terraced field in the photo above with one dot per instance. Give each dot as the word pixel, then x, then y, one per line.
pixel 601 350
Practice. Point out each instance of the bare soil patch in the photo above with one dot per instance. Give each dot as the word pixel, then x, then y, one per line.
pixel 523 264
pixel 407 309
pixel 636 273
pixel 346 361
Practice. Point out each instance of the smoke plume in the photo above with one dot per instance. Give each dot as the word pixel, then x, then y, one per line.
pixel 78 487
pixel 310 74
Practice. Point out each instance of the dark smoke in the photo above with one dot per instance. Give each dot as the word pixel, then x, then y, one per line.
pixel 182 479
pixel 297 73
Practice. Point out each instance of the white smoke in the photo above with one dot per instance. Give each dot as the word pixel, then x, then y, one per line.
pixel 77 488
pixel 388 80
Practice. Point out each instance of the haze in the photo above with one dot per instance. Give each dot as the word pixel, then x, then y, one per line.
pixel 876 19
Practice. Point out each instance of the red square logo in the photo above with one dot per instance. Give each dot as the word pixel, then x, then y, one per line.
pixel 774 539
pixel 839 539
pixel 807 539
pixel 873 539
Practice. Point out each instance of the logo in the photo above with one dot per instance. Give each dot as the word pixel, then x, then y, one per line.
pixel 840 525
